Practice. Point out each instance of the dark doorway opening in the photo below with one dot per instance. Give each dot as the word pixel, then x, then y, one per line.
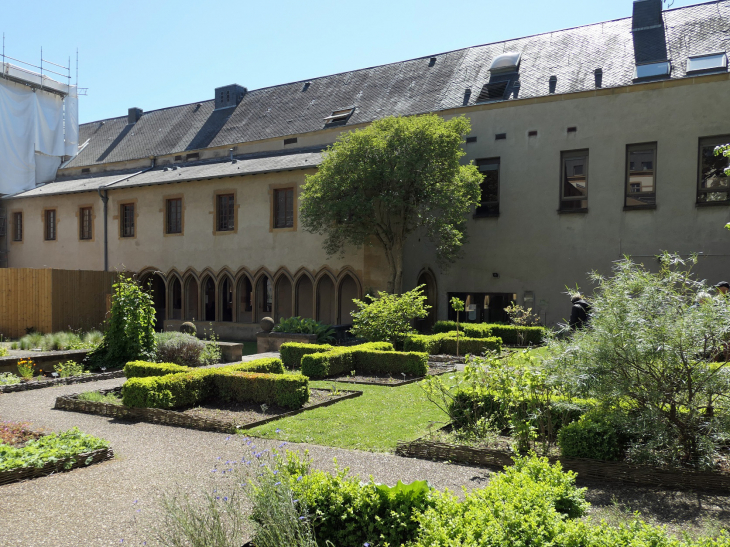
pixel 487 307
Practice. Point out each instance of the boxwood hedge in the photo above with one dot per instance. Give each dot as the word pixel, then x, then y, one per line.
pixel 511 335
pixel 371 358
pixel 445 342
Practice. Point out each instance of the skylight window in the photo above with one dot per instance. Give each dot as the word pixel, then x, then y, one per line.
pixel 653 70
pixel 703 63
pixel 492 92
pixel 507 62
pixel 339 116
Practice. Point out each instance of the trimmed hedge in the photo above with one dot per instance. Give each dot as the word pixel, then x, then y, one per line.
pixel 269 365
pixel 590 438
pixel 171 391
pixel 374 357
pixel 511 335
pixel 292 352
pixel 288 391
pixel 144 369
pixel 446 343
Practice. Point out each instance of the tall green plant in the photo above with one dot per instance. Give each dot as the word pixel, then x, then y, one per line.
pixel 389 317
pixel 130 335
pixel 458 305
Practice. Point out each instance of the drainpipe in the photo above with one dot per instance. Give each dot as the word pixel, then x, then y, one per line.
pixel 105 201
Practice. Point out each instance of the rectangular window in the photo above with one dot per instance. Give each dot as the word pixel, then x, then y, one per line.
pixel 713 184
pixel 225 219
pixel 17 226
pixel 85 223
pixel 574 181
pixel 640 176
pixel 284 208
pixel 50 225
pixel 489 203
pixel 174 216
pixel 126 214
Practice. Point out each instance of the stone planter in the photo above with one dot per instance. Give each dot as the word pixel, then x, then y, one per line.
pixel 272 341
pixel 44 360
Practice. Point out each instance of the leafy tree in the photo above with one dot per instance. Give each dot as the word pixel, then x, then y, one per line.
pixel 655 352
pixel 383 182
pixel 131 332
pixel 458 305
pixel 389 317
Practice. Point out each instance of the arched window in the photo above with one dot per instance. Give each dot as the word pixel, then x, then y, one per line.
pixel 305 298
pixel 348 291
pixel 283 298
pixel 326 312
pixel 209 299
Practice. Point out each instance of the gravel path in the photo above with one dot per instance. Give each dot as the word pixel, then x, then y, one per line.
pixel 96 506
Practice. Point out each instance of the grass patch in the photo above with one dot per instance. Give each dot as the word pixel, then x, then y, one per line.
pixel 96 397
pixel 376 421
pixel 249 348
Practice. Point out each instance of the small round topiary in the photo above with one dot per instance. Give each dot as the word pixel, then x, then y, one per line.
pixel 267 323
pixel 189 328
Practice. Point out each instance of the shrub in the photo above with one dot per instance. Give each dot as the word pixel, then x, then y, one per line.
pixel 474 346
pixel 589 438
pixel 68 369
pixel 430 344
pixel 131 331
pixel 269 365
pixel 297 325
pixel 96 397
pixel 390 362
pixel 8 378
pixel 171 391
pixel 26 368
pixel 179 348
pixel 511 335
pixel 49 448
pixel 292 352
pixel 389 317
pixel 368 358
pixel 143 369
pixel 284 390
pixel 3 351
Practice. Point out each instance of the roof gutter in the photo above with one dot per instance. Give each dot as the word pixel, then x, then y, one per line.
pixel 105 200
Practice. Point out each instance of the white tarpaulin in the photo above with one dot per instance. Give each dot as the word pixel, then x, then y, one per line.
pixel 31 134
pixel 71 126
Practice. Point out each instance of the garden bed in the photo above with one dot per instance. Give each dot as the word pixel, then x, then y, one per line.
pixel 587 469
pixel 435 368
pixel 39 382
pixel 80 460
pixel 225 418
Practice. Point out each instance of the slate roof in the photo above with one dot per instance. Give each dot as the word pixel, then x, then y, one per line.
pixel 250 164
pixel 408 87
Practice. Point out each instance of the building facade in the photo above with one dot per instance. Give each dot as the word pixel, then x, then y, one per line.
pixel 595 143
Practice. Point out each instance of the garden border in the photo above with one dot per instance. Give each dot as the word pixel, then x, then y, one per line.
pixel 25 473
pixel 93 377
pixel 174 418
pixel 585 468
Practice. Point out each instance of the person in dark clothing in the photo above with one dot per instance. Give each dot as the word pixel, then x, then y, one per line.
pixel 579 312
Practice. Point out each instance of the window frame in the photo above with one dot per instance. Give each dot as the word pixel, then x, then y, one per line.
pixel 288 219
pixel 17 234
pixel 703 142
pixel 566 155
pixel 217 212
pixel 485 205
pixel 180 219
pixel 123 233
pixel 50 225
pixel 82 209
pixel 630 148
pixel 272 206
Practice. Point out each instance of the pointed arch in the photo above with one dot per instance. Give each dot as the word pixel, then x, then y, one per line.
pixel 283 295
pixel 244 296
pixel 225 296
pixel 304 294
pixel 191 296
pixel 263 294
pixel 174 295
pixel 208 290
pixel 348 288
pixel 326 297
pixel 154 281
pixel 428 278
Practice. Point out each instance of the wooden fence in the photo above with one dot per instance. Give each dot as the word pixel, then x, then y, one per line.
pixel 52 300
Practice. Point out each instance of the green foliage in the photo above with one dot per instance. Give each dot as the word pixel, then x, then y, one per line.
pixel 96 397
pixel 131 330
pixel 389 317
pixel 143 369
pixel 3 351
pixel 345 511
pixel 529 504
pixel 26 368
pixel 68 369
pixel 371 358
pixel 589 438
pixel 292 352
pixel 179 348
pixel 60 341
pixel 394 176
pixel 8 378
pixel 262 380
pixel 445 343
pixel 48 449
pixel 511 335
pixel 657 342
pixel 285 390
pixel 297 325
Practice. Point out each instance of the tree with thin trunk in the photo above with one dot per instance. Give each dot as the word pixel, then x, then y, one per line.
pixel 379 184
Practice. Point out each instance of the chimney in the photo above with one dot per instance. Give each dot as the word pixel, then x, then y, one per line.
pixel 229 95
pixel 133 115
pixel 647 26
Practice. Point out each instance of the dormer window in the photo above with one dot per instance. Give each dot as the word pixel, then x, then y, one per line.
pixel 710 62
pixel 507 62
pixel 339 116
pixel 653 71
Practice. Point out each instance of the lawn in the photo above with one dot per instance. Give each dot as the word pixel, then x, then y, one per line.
pixel 374 421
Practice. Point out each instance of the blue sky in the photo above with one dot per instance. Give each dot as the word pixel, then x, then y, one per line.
pixel 154 54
